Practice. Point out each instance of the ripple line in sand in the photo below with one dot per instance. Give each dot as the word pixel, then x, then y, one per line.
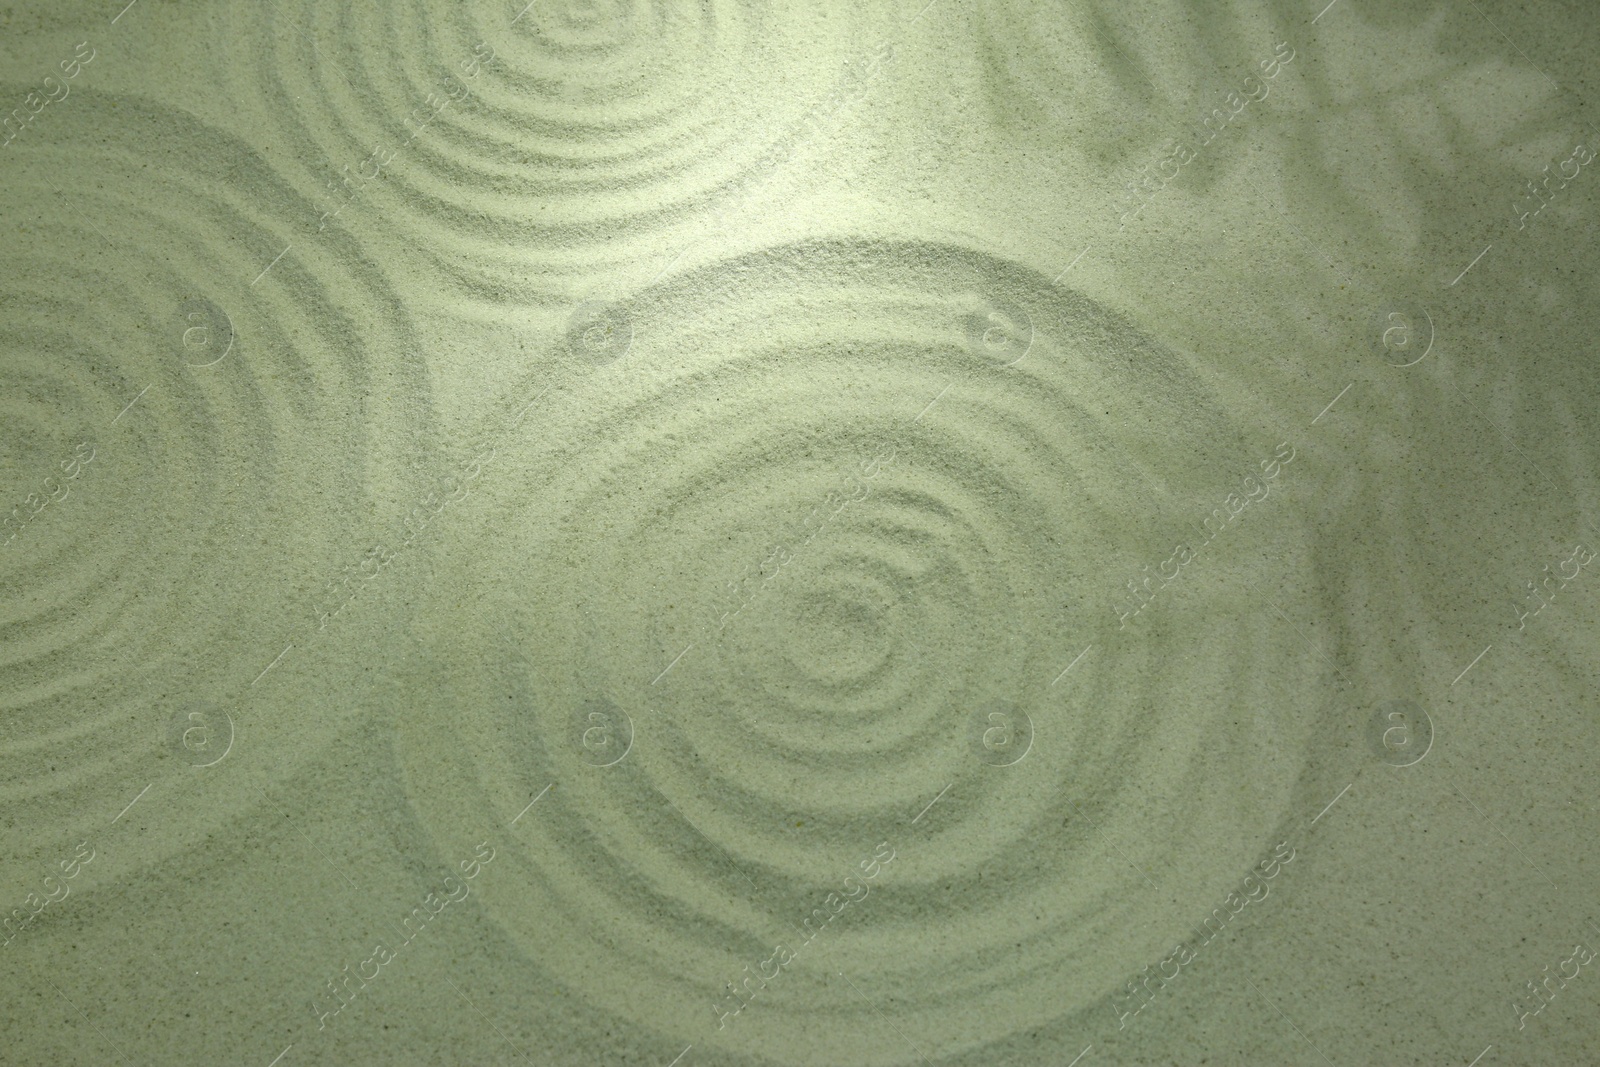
pixel 740 997
pixel 211 399
pixel 1061 436
pixel 55 490
pixel 596 131
pixel 346 194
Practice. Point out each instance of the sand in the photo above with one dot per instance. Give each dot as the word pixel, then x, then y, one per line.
pixel 965 534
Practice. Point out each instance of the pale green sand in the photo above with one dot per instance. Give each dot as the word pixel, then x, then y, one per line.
pixel 724 533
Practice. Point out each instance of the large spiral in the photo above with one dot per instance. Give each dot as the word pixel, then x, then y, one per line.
pixel 721 758
pixel 521 156
pixel 215 416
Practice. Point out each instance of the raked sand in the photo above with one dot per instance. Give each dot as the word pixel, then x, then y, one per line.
pixel 724 534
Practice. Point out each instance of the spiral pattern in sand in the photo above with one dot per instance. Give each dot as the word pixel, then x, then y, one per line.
pixel 916 569
pixel 532 152
pixel 212 412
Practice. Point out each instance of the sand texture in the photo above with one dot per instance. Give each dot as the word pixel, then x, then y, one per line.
pixel 731 533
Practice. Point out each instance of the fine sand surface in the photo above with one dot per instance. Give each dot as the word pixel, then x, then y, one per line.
pixel 715 534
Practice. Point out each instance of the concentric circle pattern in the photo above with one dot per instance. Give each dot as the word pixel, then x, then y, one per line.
pixel 805 540
pixel 199 409
pixel 531 151
pixel 732 533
